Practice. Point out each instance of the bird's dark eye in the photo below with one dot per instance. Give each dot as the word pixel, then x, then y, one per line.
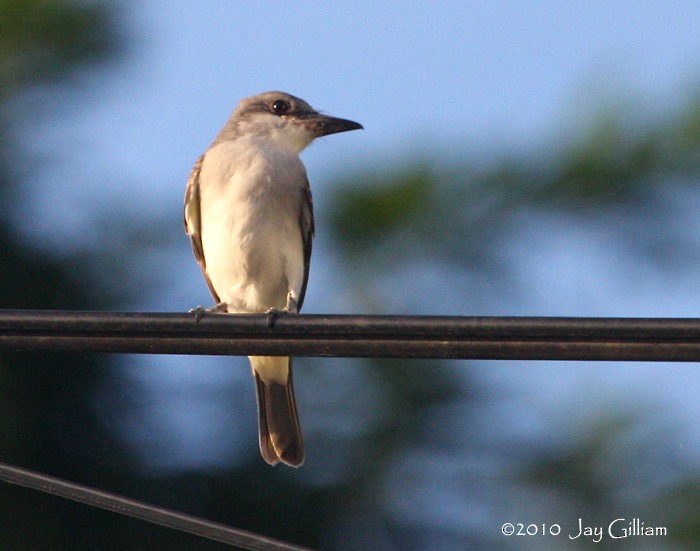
pixel 280 107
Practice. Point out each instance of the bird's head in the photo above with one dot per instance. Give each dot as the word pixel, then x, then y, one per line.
pixel 283 120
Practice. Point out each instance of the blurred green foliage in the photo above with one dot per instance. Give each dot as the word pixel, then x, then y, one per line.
pixel 623 174
pixel 381 206
pixel 46 40
pixel 47 418
pixel 609 472
pixel 619 165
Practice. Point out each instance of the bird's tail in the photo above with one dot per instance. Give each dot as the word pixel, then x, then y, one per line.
pixel 278 420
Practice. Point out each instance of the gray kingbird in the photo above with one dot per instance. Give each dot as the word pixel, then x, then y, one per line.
pixel 249 215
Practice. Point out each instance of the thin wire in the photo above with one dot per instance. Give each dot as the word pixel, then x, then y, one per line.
pixel 143 511
pixel 504 338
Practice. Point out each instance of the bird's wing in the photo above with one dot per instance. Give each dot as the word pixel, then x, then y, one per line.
pixel 306 225
pixel 193 221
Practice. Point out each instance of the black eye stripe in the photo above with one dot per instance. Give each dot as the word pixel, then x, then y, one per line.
pixel 279 107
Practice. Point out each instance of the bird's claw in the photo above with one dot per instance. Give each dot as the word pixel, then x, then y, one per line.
pixel 273 314
pixel 290 308
pixel 199 312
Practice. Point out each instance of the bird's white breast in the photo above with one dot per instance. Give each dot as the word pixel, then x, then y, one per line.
pixel 250 209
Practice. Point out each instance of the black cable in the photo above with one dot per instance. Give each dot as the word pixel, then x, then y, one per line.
pixel 143 511
pixel 505 338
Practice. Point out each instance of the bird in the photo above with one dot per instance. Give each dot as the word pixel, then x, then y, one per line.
pixel 249 216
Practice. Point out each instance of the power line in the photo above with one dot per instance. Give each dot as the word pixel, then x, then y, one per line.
pixel 143 511
pixel 494 338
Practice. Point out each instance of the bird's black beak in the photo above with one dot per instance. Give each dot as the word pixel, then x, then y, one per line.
pixel 323 125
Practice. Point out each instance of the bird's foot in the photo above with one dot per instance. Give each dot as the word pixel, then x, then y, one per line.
pixel 290 308
pixel 200 311
pixel 273 314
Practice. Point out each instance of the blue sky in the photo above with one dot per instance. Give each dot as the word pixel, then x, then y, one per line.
pixel 439 79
